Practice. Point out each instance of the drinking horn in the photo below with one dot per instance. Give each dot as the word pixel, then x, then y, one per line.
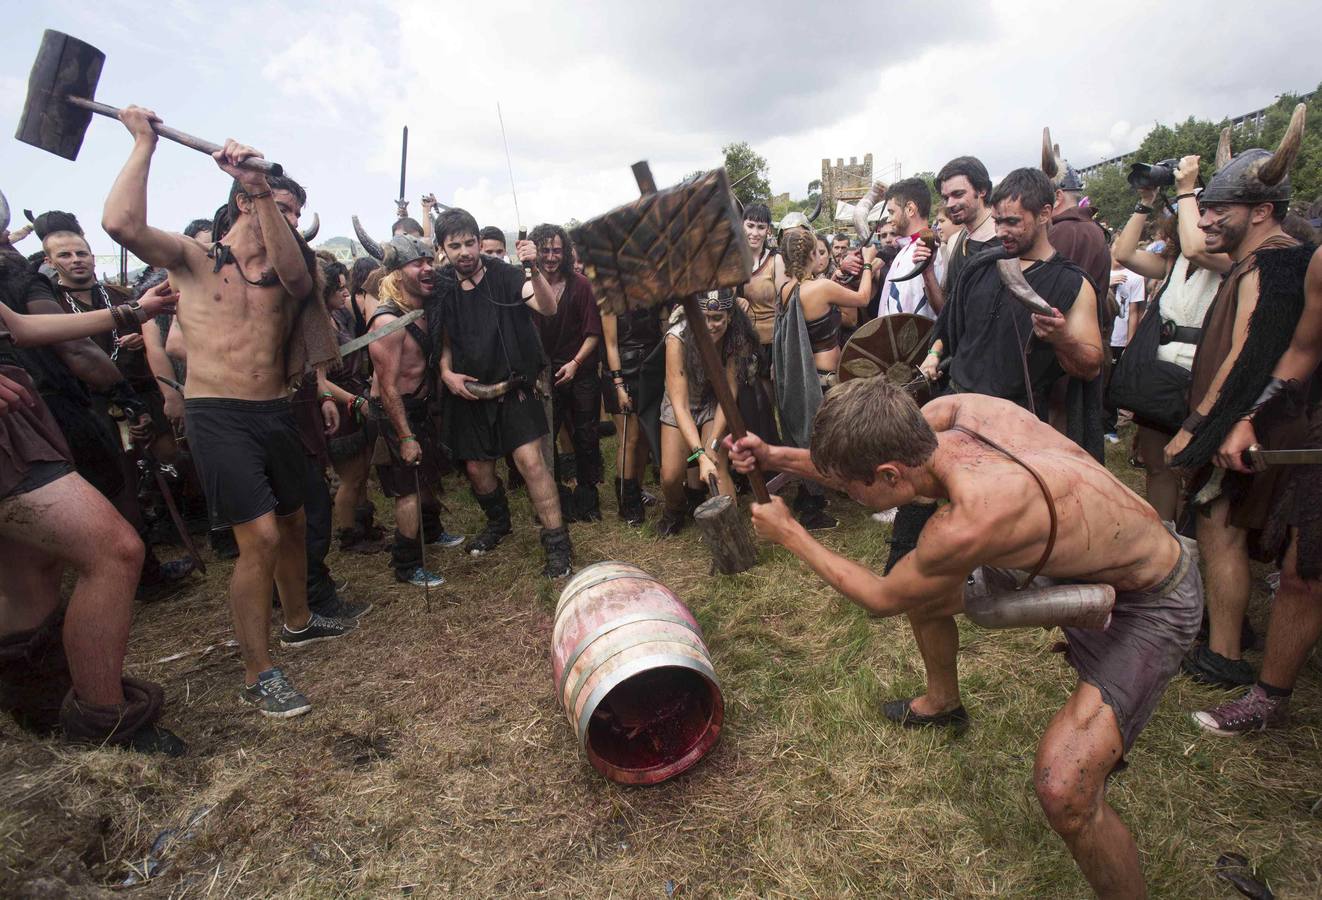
pixel 863 207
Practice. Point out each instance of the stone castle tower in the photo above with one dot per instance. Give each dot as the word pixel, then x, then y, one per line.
pixel 845 182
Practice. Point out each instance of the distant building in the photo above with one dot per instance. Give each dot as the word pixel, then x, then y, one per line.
pixel 847 182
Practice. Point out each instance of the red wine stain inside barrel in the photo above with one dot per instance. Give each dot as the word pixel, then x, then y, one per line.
pixel 652 720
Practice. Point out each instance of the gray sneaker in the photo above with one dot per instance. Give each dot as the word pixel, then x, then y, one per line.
pixel 319 628
pixel 274 696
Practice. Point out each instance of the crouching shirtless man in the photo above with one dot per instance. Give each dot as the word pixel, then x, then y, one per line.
pixel 252 315
pixel 1021 497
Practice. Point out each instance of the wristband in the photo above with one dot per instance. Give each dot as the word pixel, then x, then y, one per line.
pixel 1179 197
pixel 934 352
pixel 1273 387
pixel 1192 423
pixel 260 195
pixel 615 373
pixel 697 451
pixel 1142 209
pixel 326 395
pixel 408 437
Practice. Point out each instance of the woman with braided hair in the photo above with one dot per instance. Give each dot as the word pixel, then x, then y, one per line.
pixel 693 424
pixel 806 350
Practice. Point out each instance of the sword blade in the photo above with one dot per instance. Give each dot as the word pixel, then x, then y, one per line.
pixel 403 164
pixel 422 541
pixel 372 337
pixel 1284 457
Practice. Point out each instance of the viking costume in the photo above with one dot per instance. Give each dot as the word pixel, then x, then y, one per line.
pixel 1278 498
pixel 799 383
pixel 989 340
pixel 757 407
pixel 577 402
pixel 35 685
pixel 492 337
pixel 397 477
pixel 248 453
pixel 1152 378
pixel 638 335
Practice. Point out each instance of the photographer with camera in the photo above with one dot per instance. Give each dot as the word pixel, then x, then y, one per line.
pixel 1152 378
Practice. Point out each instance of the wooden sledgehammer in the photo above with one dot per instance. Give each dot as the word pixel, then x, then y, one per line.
pixel 59 103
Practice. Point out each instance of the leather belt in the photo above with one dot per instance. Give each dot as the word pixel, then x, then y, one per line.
pixel 1179 334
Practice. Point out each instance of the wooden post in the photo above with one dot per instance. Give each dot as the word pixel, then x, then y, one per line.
pixel 726 534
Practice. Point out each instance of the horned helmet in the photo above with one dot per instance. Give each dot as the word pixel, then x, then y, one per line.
pixel 1063 176
pixel 1257 175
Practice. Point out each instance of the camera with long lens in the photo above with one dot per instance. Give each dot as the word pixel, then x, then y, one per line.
pixel 1153 175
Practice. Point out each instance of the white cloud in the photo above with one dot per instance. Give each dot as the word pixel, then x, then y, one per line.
pixel 591 87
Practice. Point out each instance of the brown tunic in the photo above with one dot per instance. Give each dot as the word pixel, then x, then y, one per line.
pixel 1250 510
pixel 760 292
pixel 27 435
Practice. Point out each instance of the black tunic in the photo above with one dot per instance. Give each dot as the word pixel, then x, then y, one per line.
pixel 492 337
pixel 982 322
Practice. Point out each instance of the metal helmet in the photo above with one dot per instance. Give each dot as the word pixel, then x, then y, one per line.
pixel 403 249
pixel 1256 176
pixel 1063 176
pixel 794 220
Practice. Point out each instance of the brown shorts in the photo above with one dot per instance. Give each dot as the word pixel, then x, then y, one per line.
pixel 1132 660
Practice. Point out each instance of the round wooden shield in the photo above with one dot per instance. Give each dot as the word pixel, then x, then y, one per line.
pixel 893 346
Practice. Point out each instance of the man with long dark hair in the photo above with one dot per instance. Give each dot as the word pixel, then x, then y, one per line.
pixel 571 338
pixel 254 323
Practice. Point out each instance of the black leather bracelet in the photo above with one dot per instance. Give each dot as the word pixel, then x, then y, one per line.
pixel 1192 423
pixel 1179 197
pixel 1142 209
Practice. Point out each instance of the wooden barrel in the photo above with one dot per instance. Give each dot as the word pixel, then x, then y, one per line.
pixel 633 675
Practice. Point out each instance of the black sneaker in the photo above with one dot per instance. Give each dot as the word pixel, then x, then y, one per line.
pixel 1205 666
pixel 901 713
pixel 319 628
pixel 155 739
pixel 339 608
pixel 274 696
pixel 487 539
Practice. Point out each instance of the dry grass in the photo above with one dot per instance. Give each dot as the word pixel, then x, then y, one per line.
pixel 437 761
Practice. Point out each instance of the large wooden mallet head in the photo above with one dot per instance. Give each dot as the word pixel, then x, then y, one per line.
pixel 65 67
pixel 665 245
pixel 60 102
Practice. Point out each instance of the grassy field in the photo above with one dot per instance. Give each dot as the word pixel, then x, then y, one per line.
pixel 438 763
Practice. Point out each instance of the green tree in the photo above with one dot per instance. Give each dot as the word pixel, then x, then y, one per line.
pixel 1110 193
pixel 930 178
pixel 741 162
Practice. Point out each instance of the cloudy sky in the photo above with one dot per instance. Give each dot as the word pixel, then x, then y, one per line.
pixel 588 88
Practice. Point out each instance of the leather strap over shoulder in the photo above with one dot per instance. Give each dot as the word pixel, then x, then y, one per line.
pixel 1046 493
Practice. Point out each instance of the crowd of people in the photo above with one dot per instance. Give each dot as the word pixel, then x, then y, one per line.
pixel 1200 318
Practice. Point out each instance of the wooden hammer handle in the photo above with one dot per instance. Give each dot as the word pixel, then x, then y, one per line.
pixel 180 137
pixel 711 361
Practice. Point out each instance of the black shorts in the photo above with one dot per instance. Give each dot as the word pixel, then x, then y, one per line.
pixel 249 456
pixel 38 475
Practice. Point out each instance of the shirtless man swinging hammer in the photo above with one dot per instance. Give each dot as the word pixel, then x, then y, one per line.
pixel 250 310
pixel 1021 497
